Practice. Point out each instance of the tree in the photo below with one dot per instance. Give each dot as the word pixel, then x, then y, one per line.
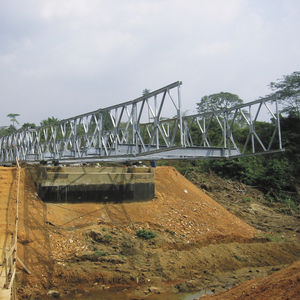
pixel 7 130
pixel 49 121
pixel 3 130
pixel 13 118
pixel 146 92
pixel 287 90
pixel 215 102
pixel 218 101
pixel 28 126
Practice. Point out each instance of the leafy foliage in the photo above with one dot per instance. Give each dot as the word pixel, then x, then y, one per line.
pixel 4 130
pixel 28 126
pixel 99 253
pixel 170 231
pixel 287 90
pixel 218 101
pixel 13 118
pixel 145 234
pixel 49 121
pixel 146 92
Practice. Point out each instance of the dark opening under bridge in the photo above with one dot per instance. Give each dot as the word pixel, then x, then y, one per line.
pixel 151 127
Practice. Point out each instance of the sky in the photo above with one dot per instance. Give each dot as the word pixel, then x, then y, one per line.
pixel 62 58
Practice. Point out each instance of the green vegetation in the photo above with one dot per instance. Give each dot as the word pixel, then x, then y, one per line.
pixel 13 118
pixel 287 90
pixel 99 253
pixel 107 237
pixel 218 101
pixel 170 231
pixel 145 234
pixel 246 199
pixel 270 237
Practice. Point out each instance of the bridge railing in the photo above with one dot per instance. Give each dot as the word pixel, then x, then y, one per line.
pixel 151 124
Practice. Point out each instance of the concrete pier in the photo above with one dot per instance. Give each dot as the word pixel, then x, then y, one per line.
pixel 93 184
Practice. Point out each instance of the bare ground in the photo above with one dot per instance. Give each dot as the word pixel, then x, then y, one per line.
pixel 81 248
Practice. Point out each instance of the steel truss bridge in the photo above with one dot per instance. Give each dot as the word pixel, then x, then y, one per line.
pixel 151 127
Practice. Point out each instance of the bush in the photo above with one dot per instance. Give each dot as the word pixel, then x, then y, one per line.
pixel 99 253
pixel 145 234
pixel 107 237
pixel 170 231
pixel 246 199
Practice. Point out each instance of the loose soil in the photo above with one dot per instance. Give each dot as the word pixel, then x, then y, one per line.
pixel 251 205
pixel 284 284
pixel 82 248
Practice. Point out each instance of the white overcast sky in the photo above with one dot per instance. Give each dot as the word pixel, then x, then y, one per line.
pixel 65 57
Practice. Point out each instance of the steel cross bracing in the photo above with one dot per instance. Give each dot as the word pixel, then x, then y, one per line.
pixel 150 127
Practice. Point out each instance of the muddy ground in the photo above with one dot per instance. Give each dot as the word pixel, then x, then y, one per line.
pixel 76 249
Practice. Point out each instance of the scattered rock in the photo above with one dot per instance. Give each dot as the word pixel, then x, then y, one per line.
pixel 155 290
pixel 53 293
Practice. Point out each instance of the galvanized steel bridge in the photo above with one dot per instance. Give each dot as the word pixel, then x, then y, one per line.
pixel 151 127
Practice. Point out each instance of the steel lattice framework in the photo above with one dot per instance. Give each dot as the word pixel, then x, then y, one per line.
pixel 150 127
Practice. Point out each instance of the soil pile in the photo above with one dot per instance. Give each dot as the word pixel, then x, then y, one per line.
pixel 179 206
pixel 284 284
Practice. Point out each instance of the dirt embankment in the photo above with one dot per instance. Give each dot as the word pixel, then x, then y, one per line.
pixel 250 205
pixel 76 248
pixel 284 284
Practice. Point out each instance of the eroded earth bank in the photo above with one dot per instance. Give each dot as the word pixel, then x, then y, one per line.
pixel 194 243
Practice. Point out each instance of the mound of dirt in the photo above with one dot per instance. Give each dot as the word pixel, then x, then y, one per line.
pixel 179 206
pixel 284 284
pixel 189 210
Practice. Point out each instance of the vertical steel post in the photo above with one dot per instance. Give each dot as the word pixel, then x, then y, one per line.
pixel 134 126
pixel 100 131
pixel 75 137
pixel 251 130
pixel 156 122
pixel 278 125
pixel 225 128
pixel 179 115
pixel 116 130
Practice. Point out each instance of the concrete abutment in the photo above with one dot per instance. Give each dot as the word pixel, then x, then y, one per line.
pixel 93 184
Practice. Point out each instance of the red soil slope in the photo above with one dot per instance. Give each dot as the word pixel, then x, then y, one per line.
pixel 179 206
pixel 281 285
pixel 52 232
